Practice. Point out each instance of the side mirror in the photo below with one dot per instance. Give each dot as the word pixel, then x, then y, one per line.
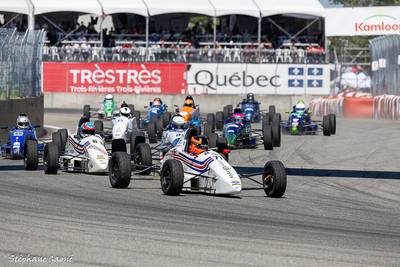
pixel 309 112
pixel 177 110
pixel 176 106
pixel 287 111
pixel 36 126
pixel 166 106
pixel 4 127
pixel 145 106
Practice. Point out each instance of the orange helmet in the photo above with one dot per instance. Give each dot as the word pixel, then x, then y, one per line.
pixel 156 103
pixel 199 144
pixel 189 103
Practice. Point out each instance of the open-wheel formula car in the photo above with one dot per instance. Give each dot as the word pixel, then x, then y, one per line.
pixel 22 143
pixel 108 108
pixel 156 110
pixel 185 169
pixel 300 122
pixel 82 151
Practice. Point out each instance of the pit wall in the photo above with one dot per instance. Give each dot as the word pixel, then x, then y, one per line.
pixel 352 105
pixel 207 103
pixel 10 110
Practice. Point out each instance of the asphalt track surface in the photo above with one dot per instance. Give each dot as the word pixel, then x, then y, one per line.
pixel 341 208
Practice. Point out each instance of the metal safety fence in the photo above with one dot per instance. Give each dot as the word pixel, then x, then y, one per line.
pixel 385 65
pixel 20 63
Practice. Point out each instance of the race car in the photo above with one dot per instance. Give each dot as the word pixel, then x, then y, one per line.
pixel 22 143
pixel 192 166
pixel 108 108
pixel 83 151
pixel 191 113
pixel 300 122
pixel 156 110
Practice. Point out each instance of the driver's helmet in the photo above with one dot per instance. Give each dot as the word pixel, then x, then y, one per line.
pixel 238 118
pixel 87 129
pixel 199 143
pixel 156 104
pixel 178 122
pixel 109 97
pixel 189 97
pixel 124 104
pixel 125 111
pixel 23 122
pixel 189 103
pixel 300 108
pixel 250 98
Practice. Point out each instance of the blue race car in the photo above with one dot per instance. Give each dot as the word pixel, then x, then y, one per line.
pixel 300 122
pixel 156 110
pixel 22 143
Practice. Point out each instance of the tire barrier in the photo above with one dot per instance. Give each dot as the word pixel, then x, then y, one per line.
pixel 386 107
pixel 324 106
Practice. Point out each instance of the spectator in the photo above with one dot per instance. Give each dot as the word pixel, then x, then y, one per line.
pixel 154 38
pixel 164 56
pixel 319 51
pixel 125 50
pixel 246 36
pixel 85 49
pixel 67 49
pixel 76 51
pixel 172 52
pixel 156 51
pixel 190 52
pixel 294 55
pixel 310 53
pixel 81 38
pixel 134 51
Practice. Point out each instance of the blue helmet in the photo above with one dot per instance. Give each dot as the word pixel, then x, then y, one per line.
pixel 86 129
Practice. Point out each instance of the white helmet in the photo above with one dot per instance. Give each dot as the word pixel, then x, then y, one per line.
pixel 300 108
pixel 178 122
pixel 125 111
pixel 109 97
pixel 23 122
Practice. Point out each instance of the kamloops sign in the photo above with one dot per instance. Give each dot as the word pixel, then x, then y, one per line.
pixel 362 21
pixel 264 79
pixel 137 78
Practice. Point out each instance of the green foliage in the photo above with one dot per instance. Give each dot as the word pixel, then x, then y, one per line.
pixel 203 21
pixel 366 3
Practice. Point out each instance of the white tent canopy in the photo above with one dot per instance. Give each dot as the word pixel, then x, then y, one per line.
pixel 82 6
pixel 123 6
pixel 158 7
pixel 14 6
pixel 291 8
pixel 239 7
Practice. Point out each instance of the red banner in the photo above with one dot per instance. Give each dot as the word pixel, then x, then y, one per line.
pixel 131 78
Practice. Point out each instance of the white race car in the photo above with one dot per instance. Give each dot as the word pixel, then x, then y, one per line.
pixel 77 153
pixel 208 172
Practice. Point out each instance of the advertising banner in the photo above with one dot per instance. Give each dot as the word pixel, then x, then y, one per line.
pixel 263 79
pixel 130 78
pixel 362 21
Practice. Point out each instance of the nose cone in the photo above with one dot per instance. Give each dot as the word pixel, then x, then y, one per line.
pixel 294 130
pixel 230 138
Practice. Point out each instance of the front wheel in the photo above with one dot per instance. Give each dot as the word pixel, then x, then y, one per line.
pixel 120 170
pixel 333 123
pixel 50 158
pixel 86 111
pixel 268 137
pixel 143 157
pixel 326 125
pixel 274 179
pixel 172 177
pixel 219 120
pixel 151 129
pixel 31 153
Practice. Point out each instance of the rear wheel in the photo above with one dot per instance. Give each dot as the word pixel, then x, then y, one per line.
pixel 64 137
pixel 211 118
pixel 143 157
pixel 226 112
pixel 326 125
pixel 153 117
pixel 166 116
pixel 172 177
pixel 159 127
pixel 333 123
pixel 222 144
pixel 230 107
pixel 136 113
pixel 219 120
pixel 276 130
pixel 268 140
pixel 271 110
pixel 50 158
pixel 132 108
pixel 98 127
pixel 120 170
pixel 212 140
pixel 274 179
pixel 118 145
pixel 31 153
pixel 208 128
pixel 86 111
pixel 56 138
pixel 151 129
pixel 136 138
pixel 265 120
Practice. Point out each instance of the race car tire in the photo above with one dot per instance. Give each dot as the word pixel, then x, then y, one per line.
pixel 136 113
pixel 166 116
pixel 333 123
pixel 153 117
pixel 136 138
pixel 276 186
pixel 276 130
pixel 86 111
pixel 132 108
pixel 224 156
pixel 265 120
pixel 64 137
pixel 151 129
pixel 222 143
pixel 271 111
pixel 198 129
pixel 159 127
pixel 98 127
pixel 143 157
pixel 211 118
pixel 208 128
pixel 326 125
pixel 268 137
pixel 230 107
pixel 172 177
pixel 119 170
pixel 226 112
pixel 219 120
pixel 118 145
pixel 31 153
pixel 56 138
pixel 212 139
pixel 50 158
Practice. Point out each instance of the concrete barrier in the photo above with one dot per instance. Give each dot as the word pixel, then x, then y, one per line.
pixel 207 103
pixel 10 110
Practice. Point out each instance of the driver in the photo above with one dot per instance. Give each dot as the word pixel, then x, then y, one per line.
pixel 300 108
pixel 189 103
pixel 23 122
pixel 86 130
pixel 125 111
pixel 238 118
pixel 124 104
pixel 250 98
pixel 109 98
pixel 199 144
pixel 177 122
pixel 156 103
pixel 189 97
